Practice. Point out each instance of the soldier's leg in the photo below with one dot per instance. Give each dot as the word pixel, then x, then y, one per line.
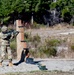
pixel 9 55
pixel 26 51
pixel 3 52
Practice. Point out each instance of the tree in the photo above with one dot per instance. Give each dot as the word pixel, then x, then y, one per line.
pixel 37 7
pixel 66 7
pixel 5 10
pixel 8 7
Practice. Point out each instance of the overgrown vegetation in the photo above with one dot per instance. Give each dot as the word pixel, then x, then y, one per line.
pixel 13 47
pixel 13 44
pixel 47 52
pixel 52 42
pixel 37 26
pixel 72 47
pixel 48 48
pixel 43 49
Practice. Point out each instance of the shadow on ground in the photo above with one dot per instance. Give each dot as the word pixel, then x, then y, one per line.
pixel 30 61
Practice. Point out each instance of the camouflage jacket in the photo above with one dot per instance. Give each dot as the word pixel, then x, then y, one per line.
pixel 5 37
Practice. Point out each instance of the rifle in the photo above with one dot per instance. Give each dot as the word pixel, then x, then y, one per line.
pixel 10 33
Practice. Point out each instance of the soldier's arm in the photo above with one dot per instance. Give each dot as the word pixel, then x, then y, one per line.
pixel 14 34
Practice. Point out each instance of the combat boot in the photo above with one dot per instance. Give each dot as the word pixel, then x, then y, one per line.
pixel 26 58
pixel 10 63
pixel 0 64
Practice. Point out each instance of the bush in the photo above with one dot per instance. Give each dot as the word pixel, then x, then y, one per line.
pixel 72 47
pixel 27 37
pixel 52 42
pixel 49 48
pixel 44 50
pixel 34 53
pixel 0 29
pixel 52 51
pixel 13 44
pixel 36 26
pixel 36 38
pixel 13 47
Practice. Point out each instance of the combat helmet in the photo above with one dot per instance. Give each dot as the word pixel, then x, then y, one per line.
pixel 4 28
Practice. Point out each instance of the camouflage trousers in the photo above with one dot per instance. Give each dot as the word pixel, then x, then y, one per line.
pixel 5 49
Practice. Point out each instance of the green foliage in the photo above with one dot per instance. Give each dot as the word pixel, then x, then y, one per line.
pixel 36 38
pixel 53 5
pixel 8 7
pixel 5 9
pixel 64 11
pixel 48 51
pixel 36 26
pixel 27 36
pixel 72 47
pixel 44 49
pixel 52 51
pixel 52 42
pixel 6 19
pixel 13 44
pixel 49 47
pixel 19 5
pixel 37 6
pixel 65 6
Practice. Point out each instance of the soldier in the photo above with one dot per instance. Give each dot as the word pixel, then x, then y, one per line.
pixel 5 44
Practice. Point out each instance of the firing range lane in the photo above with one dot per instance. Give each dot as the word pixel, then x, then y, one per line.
pixel 51 64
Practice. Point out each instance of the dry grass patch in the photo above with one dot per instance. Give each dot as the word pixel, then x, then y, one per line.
pixel 41 73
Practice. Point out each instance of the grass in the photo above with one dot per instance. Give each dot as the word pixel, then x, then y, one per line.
pixel 13 47
pixel 72 47
pixel 13 44
pixel 52 42
pixel 41 73
pixel 44 46
pixel 37 26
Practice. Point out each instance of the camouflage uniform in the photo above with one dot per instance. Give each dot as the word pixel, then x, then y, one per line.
pixel 5 44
